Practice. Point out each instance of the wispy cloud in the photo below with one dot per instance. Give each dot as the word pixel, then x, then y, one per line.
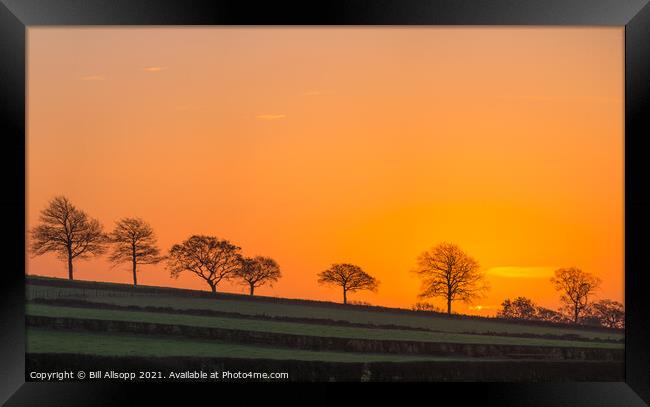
pixel 313 93
pixel 482 307
pixel 93 78
pixel 521 272
pixel 155 68
pixel 270 116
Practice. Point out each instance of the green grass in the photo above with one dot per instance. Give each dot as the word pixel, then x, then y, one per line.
pixel 243 306
pixel 50 341
pixel 298 328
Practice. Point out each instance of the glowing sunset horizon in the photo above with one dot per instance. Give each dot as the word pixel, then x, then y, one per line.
pixel 316 146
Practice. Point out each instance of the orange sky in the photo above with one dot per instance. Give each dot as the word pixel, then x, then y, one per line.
pixel 323 145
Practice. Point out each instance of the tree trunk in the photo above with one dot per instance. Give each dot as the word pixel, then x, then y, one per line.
pixel 575 314
pixel 252 288
pixel 133 259
pixel 449 306
pixel 213 287
pixel 345 296
pixel 70 263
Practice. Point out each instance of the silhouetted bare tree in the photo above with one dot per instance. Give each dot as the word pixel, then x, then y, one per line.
pixel 68 232
pixel 134 241
pixel 210 258
pixel 519 308
pixel 609 313
pixel 349 277
pixel 450 273
pixel 576 286
pixel 258 271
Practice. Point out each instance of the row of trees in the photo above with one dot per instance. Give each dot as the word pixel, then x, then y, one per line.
pixel 446 271
pixel 604 312
pixel 451 274
pixel 215 260
pixel 71 234
pixel 577 289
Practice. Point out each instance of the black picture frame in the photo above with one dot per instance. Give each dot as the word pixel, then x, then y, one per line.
pixel 17 15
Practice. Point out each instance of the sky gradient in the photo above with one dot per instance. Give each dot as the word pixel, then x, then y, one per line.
pixel 323 145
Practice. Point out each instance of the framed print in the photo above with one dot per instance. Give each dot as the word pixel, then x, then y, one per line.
pixel 443 196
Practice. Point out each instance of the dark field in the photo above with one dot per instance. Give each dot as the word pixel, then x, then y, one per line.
pixel 110 323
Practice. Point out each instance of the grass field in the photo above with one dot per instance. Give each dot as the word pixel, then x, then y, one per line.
pixel 301 329
pixel 240 304
pixel 50 341
pixel 314 340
